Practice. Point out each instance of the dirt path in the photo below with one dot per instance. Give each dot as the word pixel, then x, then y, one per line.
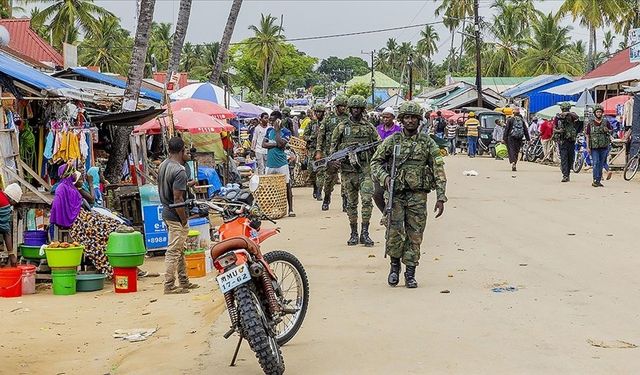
pixel 569 249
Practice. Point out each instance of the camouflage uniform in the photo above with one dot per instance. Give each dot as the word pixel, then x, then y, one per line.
pixel 356 179
pixel 328 177
pixel 419 169
pixel 311 137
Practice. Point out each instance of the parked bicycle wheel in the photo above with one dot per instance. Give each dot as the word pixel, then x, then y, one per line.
pixel 631 168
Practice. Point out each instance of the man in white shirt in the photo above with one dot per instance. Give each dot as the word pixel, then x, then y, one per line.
pixel 256 145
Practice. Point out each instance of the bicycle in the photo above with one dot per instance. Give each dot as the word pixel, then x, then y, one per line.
pixel 631 168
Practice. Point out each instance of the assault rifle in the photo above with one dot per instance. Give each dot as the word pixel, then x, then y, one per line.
pixel 393 174
pixel 350 152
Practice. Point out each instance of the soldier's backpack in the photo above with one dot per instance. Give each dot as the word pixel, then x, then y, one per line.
pixel 517 129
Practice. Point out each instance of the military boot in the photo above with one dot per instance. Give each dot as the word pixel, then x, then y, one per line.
pixel 410 277
pixel 353 240
pixel 364 236
pixel 315 192
pixel 326 202
pixel 394 273
pixel 344 203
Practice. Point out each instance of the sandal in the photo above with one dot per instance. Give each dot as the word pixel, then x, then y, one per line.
pixel 291 214
pixel 142 274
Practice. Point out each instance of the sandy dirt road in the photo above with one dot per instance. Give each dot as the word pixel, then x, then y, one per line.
pixel 569 249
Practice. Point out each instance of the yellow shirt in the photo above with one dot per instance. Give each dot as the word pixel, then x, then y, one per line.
pixel 304 123
pixel 472 125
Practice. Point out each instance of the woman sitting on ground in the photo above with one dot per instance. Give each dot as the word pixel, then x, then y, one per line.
pixel 88 228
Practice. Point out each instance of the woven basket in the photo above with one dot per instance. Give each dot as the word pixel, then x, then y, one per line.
pixel 298 144
pixel 300 177
pixel 272 195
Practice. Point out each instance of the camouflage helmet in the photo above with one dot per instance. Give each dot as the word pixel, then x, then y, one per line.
pixel 319 107
pixel 340 100
pixel 565 105
pixel 357 101
pixel 597 107
pixel 409 108
pixel 286 111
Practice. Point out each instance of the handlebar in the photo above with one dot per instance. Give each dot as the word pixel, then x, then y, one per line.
pixel 240 208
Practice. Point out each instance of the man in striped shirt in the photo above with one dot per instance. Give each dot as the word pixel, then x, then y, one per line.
pixel 452 135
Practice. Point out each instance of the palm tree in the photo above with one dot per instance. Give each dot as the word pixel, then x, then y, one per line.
pixel 427 46
pixel 549 49
pixel 509 35
pixel 120 147
pixel 207 57
pixel 65 17
pixel 41 29
pixel 388 57
pixel 189 57
pixel 159 46
pixel 607 42
pixel 226 39
pixel 457 12
pixel 108 46
pixel 266 46
pixel 7 9
pixel 595 14
pixel 178 38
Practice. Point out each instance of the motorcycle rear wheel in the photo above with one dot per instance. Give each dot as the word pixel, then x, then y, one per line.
pixel 294 290
pixel 255 330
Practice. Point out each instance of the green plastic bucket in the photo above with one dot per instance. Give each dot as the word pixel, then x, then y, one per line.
pixel 125 243
pixel 125 260
pixel 90 282
pixel 64 282
pixel 64 257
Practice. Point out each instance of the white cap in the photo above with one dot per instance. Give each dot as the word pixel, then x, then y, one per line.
pixel 389 110
pixel 14 192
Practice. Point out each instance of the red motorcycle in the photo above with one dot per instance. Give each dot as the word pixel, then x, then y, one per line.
pixel 267 295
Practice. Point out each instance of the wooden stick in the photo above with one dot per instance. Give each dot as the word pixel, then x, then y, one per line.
pixel 28 185
pixel 42 182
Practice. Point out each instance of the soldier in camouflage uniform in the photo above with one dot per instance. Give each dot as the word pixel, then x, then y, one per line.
pixel 311 137
pixel 356 178
pixel 420 169
pixel 329 177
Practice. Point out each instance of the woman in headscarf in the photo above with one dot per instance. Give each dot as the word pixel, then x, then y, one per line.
pixel 86 227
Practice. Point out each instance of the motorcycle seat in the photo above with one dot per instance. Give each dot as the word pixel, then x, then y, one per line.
pixel 235 243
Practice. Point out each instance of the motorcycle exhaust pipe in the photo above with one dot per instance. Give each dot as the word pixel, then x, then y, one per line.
pixel 256 270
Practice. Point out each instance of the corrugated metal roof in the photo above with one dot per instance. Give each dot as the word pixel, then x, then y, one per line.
pixel 107 79
pixel 575 87
pixel 617 64
pixel 28 75
pixel 533 84
pixel 382 80
pixel 26 41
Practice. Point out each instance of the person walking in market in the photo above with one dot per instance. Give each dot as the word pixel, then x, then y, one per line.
pixel 420 169
pixel 330 174
pixel 515 130
pixel 387 128
pixel 472 125
pixel 498 135
pixel 287 121
pixel 256 142
pixel 452 136
pixel 598 132
pixel 439 125
pixel 565 131
pixel 311 137
pixel 356 178
pixel 276 142
pixel 172 187
pixel 546 132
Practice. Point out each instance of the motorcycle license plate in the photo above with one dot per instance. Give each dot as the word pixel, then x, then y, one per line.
pixel 233 278
pixel 484 136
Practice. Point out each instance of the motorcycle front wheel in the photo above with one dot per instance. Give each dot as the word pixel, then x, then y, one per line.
pixel 292 290
pixel 578 163
pixel 255 329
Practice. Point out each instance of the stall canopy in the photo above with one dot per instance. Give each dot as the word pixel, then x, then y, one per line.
pixel 107 79
pixel 26 75
pixel 206 91
pixel 202 106
pixel 185 121
pixel 132 118
pixel 248 110
pixel 629 75
pixel 611 105
pixel 550 112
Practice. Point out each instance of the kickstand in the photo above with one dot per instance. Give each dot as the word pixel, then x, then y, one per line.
pixel 235 354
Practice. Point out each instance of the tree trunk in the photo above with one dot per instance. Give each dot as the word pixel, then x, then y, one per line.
pixel 464 27
pixel 224 43
pixel 428 71
pixel 120 142
pixel 591 54
pixel 178 38
pixel 453 34
pixel 265 80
